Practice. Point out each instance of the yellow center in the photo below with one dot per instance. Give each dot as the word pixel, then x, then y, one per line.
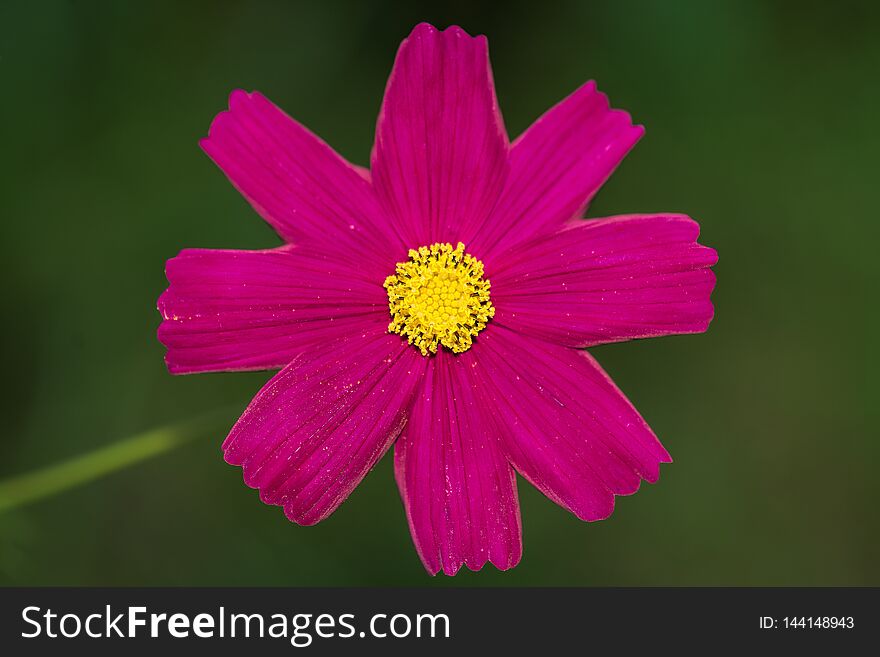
pixel 439 296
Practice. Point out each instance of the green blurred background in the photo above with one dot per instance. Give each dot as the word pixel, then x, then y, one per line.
pixel 761 123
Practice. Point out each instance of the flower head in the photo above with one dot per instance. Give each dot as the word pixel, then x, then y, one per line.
pixel 387 329
pixel 439 297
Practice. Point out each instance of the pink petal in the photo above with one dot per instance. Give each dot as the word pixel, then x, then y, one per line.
pixel 566 426
pixel 240 310
pixel 440 157
pixel 608 280
pixel 458 489
pixel 556 167
pixel 315 430
pixel 295 181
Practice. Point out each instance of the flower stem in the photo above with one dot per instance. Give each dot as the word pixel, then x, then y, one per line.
pixel 45 482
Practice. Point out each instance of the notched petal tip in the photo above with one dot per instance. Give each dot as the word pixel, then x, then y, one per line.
pixel 164 305
pixel 711 256
pixel 474 567
pixel 423 28
pixel 645 477
pixel 592 87
pixel 236 99
pixel 239 96
pixel 638 128
pixel 606 512
pixel 427 30
pixel 436 565
pixel 163 301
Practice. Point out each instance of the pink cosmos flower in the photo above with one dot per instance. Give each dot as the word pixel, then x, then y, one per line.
pixel 440 300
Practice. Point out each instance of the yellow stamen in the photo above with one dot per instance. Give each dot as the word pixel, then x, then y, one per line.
pixel 439 296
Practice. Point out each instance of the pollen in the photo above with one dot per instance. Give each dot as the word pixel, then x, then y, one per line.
pixel 439 297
